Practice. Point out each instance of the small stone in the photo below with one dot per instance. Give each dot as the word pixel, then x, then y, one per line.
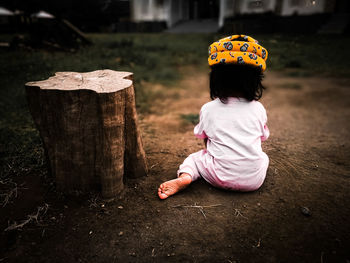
pixel 305 211
pixel 106 212
pixel 90 232
pixel 258 204
pixel 102 205
pixel 121 233
pixel 338 242
pixel 120 207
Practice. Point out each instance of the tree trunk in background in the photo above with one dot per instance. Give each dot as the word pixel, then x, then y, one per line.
pixel 88 124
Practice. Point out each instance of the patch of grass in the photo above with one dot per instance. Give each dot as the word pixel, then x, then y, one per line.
pixel 190 118
pixel 309 54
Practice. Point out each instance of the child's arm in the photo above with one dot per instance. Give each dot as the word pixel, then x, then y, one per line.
pixel 199 129
pixel 266 133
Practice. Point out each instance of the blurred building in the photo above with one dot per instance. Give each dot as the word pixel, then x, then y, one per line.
pixel 225 11
pixel 289 16
pixel 6 17
pixel 248 16
pixel 173 11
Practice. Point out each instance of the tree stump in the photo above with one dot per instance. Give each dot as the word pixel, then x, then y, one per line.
pixel 88 124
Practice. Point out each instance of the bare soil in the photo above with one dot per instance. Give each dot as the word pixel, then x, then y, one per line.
pixel 300 214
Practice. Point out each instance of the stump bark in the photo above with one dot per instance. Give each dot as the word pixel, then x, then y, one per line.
pixel 88 124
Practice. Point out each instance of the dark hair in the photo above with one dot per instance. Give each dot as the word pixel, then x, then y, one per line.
pixel 232 80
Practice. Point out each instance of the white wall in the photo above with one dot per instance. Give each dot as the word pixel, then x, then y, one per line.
pixel 289 7
pixel 226 9
pixel 302 7
pixel 5 12
pixel 170 11
pixel 256 7
pixel 178 11
pixel 148 10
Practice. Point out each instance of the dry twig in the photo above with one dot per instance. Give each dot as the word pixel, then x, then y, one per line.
pixel 154 165
pixel 200 207
pixel 7 196
pixel 93 201
pixel 259 243
pixel 41 210
pixel 238 213
pixel 11 193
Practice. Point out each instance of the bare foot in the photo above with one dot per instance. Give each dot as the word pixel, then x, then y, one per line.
pixel 173 186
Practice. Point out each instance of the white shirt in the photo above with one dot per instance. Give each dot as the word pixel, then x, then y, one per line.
pixel 235 131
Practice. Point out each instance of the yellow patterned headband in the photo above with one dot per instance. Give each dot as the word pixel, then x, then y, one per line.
pixel 230 51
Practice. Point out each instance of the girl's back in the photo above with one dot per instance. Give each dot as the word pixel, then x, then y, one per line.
pixel 234 130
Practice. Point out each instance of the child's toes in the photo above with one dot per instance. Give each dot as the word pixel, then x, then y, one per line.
pixel 162 195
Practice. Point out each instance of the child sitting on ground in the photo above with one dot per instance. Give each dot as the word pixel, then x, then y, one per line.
pixel 233 124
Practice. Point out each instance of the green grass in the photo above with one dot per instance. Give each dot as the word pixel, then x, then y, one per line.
pixel 152 58
pixel 308 55
pixel 190 118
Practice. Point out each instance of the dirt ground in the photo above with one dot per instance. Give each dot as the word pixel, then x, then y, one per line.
pixel 309 151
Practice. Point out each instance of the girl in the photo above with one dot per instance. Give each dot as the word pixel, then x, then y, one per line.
pixel 233 124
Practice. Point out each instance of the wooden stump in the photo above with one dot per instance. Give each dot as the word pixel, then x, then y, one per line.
pixel 88 124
